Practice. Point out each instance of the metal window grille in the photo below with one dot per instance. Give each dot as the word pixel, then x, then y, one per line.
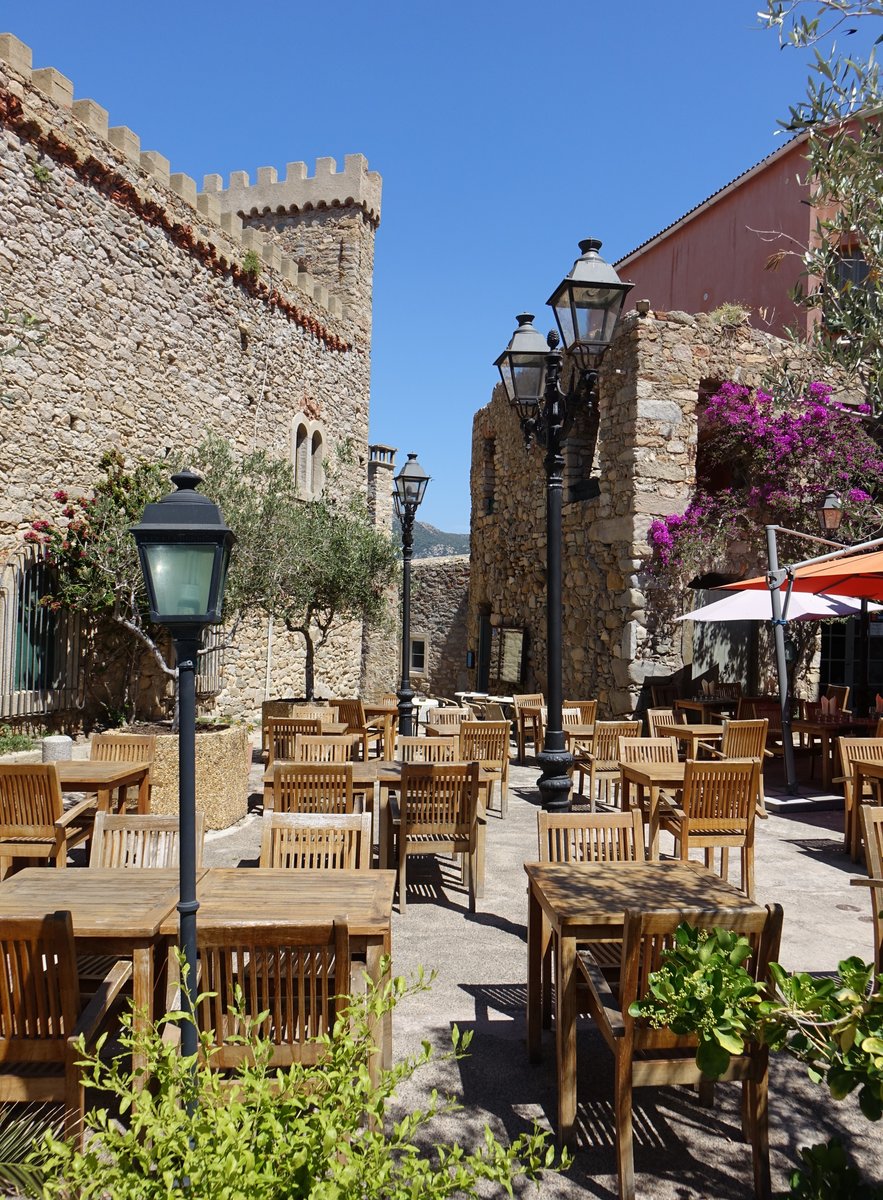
pixel 40 650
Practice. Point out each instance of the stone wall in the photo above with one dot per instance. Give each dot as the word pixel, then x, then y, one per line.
pixel 153 332
pixel 439 614
pixel 645 459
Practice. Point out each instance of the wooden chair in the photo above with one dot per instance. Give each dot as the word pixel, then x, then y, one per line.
pixel 140 841
pixel 316 841
pixel 840 694
pixel 851 749
pixel 645 1057
pixel 297 975
pixel 437 813
pixel 272 709
pixel 647 749
pixel 588 710
pixel 487 743
pixel 42 1015
pixel 601 762
pixel 282 734
pixel 333 748
pixel 717 812
pixel 663 716
pixel 427 749
pixel 745 739
pixel 33 823
pixel 313 788
pixel 526 706
pixel 872 820
pixel 369 733
pixel 663 695
pixel 123 747
pixel 450 718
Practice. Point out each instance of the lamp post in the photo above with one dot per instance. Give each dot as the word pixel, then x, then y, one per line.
pixel 184 547
pixel 410 488
pixel 587 305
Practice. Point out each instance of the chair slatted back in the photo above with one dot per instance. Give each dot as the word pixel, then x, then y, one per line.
pixel 648 749
pixel 39 990
pixel 745 739
pixel 605 739
pixel 313 787
pixel 299 975
pixel 588 710
pixel 486 742
pixel 854 749
pixel 727 691
pixel 439 800
pixel 647 935
pixel 770 711
pixel 720 796
pixel 282 734
pixel 316 841
pixel 528 700
pixel 663 716
pixel 872 822
pixel 838 693
pixel 569 717
pixel 449 718
pixel 30 800
pixel 122 747
pixel 427 749
pixel 140 841
pixel 591 837
pixel 352 711
pixel 319 748
pixel 664 694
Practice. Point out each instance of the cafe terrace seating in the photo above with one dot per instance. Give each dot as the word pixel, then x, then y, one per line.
pixel 123 747
pixel 745 739
pixel 42 1014
pixel 33 822
pixel 323 748
pixel 646 1057
pixel 282 734
pixel 601 761
pixel 872 820
pixel 313 788
pixel 526 706
pixel 487 743
pixel 140 841
pixel 427 749
pixel 717 812
pixel 852 750
pixel 316 841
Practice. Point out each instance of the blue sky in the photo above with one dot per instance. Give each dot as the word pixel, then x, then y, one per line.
pixel 504 133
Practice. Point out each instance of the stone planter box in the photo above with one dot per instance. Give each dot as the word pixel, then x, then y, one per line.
pixel 223 757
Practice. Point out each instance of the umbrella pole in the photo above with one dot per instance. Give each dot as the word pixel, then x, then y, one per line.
pixel 774 581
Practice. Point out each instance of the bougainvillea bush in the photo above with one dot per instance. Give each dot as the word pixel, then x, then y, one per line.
pixel 760 462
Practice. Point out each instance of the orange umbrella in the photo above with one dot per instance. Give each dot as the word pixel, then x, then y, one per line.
pixel 859 575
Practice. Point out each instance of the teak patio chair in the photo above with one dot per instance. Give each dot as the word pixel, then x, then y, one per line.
pixel 316 841
pixel 319 748
pixel 487 743
pixel 872 820
pixel 297 976
pixel 427 749
pixel 852 749
pixel 33 823
pixel 437 812
pixel 717 813
pixel 588 710
pixel 140 841
pixel 601 762
pixel 42 1015
pixel 526 707
pixel 282 734
pixel 369 733
pixel 745 739
pixel 449 718
pixel 663 716
pixel 273 709
pixel 123 747
pixel 646 1057
pixel 313 788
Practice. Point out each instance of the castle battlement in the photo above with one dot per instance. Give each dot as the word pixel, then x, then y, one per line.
pixel 353 187
pixel 215 209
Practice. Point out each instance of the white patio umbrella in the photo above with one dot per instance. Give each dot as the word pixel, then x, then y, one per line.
pixel 755 606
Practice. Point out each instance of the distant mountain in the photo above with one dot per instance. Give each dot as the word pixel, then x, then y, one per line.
pixel 430 542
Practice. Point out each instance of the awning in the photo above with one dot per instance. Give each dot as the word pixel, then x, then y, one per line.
pixel 754 605
pixel 857 575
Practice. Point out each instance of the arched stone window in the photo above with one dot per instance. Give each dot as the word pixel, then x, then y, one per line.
pixel 317 458
pixel 301 456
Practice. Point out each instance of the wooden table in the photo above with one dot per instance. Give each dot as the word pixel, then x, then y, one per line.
pixel 87 775
pixel 650 778
pixel 113 912
pixel 861 769
pixel 707 707
pixel 580 902
pixel 691 734
pixel 827 731
pixel 231 896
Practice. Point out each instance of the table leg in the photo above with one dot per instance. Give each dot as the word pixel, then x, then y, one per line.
pixel 144 795
pixel 565 1036
pixel 827 747
pixel 103 794
pixel 142 1001
pixel 654 821
pixel 383 825
pixel 380 1031
pixel 534 976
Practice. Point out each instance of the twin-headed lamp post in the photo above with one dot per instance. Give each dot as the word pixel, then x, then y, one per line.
pixel 410 487
pixel 184 547
pixel 587 305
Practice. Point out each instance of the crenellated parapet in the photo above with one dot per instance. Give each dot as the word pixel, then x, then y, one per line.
pixel 353 187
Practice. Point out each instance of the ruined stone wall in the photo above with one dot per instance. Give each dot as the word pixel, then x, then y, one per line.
pixel 645 462
pixel 439 608
pixel 153 333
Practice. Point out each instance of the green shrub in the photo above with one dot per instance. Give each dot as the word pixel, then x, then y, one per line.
pixel 267 1134
pixel 251 263
pixel 11 741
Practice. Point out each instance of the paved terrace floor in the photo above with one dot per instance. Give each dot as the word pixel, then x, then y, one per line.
pixel 682 1150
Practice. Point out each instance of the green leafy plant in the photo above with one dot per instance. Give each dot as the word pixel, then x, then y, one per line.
pixel 730 314
pixel 251 263
pixel 825 1173
pixel 319 1131
pixel 11 741
pixel 42 174
pixel 20 1130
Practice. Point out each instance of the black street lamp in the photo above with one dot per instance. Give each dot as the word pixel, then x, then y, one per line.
pixel 587 305
pixel 184 547
pixel 410 487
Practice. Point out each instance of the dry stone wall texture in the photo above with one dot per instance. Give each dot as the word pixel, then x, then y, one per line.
pixel 439 608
